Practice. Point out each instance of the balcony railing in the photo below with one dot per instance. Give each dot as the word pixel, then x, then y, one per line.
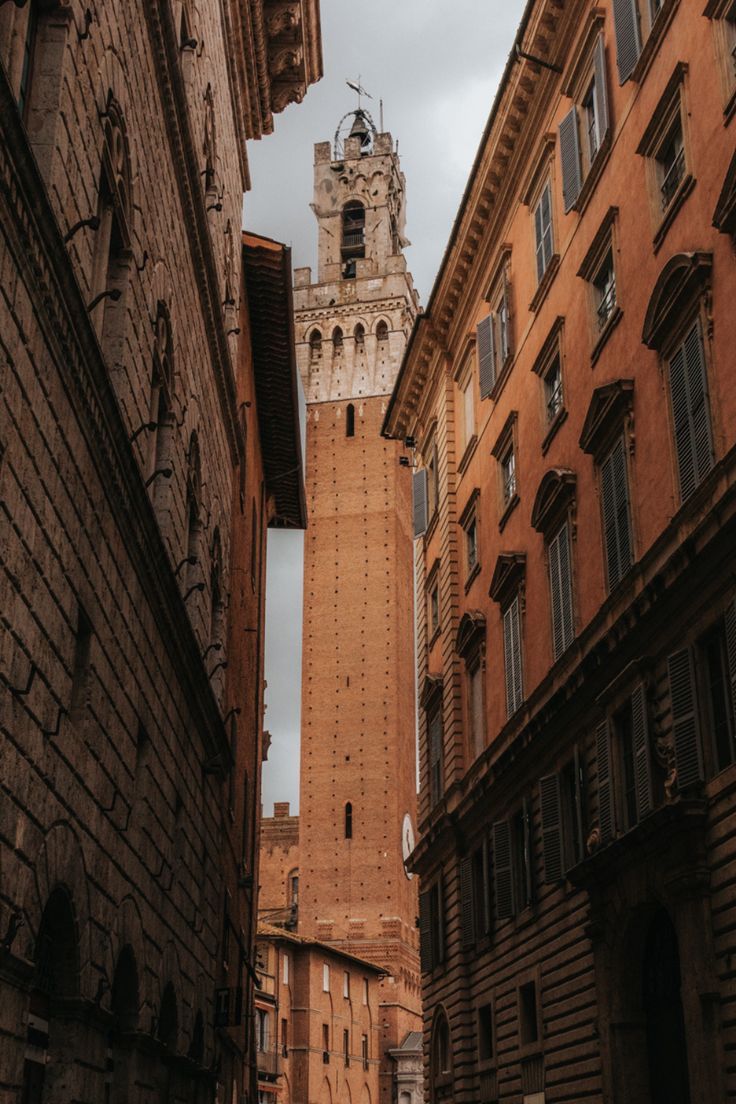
pixel 672 179
pixel 353 239
pixel 604 310
pixel 268 1062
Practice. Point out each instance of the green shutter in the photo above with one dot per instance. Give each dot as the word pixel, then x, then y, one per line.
pixel 685 727
pixel 628 36
pixel 642 758
pixel 570 158
pixel 551 806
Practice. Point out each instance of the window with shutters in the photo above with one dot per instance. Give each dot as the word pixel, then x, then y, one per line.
pixel 623 723
pixel 512 656
pixel 549 368
pixel 559 559
pixel 466 412
pixel 431 927
pixel 432 591
pixel 475 710
pixel 544 242
pixel 723 15
pixel 505 453
pixel 598 269
pixel 690 406
pixel 665 147
pixel 480 877
pixel 639 26
pixel 563 819
pixel 440 1057
pixel 469 524
pixel 627 785
pixel 717 671
pixel 685 720
pixel 486 1048
pixel 615 510
pixel 494 342
pixel 435 752
pixel 521 843
pixel 584 132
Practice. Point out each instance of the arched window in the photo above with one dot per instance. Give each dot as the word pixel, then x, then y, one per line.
pixel 349 820
pixel 168 1019
pixel 359 336
pixel 352 246
pixel 337 340
pixel 441 1058
pixel 665 1020
pixel 124 1003
pixel 382 332
pixel 112 239
pixel 56 977
pixel 315 345
pixel 160 410
pixel 350 421
pixel 210 140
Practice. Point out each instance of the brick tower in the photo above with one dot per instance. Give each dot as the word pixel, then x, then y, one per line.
pixel 358 764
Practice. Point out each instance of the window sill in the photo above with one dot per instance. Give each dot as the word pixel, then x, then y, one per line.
pixel 511 505
pixel 613 320
pixel 554 425
pixel 652 44
pixel 686 186
pixel 544 285
pixel 468 454
pixel 472 576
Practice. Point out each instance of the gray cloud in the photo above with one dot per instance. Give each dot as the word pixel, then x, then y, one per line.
pixel 436 66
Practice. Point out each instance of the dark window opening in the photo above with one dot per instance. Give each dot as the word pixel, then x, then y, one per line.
pixel 325 1043
pixel 359 336
pixel 167 1026
pixel 285 1038
pixel 485 1033
pixel 346 1046
pixel 315 345
pixel 520 838
pixel 718 697
pixel 528 1019
pixel 350 421
pixel 624 728
pixel 81 668
pixel 349 821
pixel 364 1051
pixel 337 339
pixel 382 332
pixel 353 230
pixel 571 787
pixel 671 163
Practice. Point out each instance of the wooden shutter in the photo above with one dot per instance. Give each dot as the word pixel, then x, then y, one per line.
pixel 579 806
pixel 560 578
pixel 570 158
pixel 434 734
pixel 685 728
pixel 642 760
pixel 512 657
pixel 425 933
pixel 467 907
pixel 549 791
pixel 503 878
pixel 601 89
pixel 437 923
pixel 526 817
pixel 697 386
pixel 419 489
pixel 486 356
pixel 605 782
pixel 628 37
pixel 730 627
pixel 485 887
pixel 615 508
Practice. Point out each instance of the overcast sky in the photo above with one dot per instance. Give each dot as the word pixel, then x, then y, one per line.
pixel 436 65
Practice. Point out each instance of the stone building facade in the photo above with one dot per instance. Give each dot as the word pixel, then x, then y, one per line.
pixel 317 1025
pixel 358 782
pixel 131 420
pixel 570 391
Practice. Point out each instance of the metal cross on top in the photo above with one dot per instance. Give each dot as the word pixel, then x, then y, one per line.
pixel 358 87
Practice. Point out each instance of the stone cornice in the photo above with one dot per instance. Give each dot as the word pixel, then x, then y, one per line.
pixel 35 243
pixel 186 162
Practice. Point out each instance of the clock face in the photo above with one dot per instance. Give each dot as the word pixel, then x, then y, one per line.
pixel 407 842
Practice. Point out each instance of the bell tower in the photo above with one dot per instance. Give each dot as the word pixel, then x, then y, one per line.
pixel 358 761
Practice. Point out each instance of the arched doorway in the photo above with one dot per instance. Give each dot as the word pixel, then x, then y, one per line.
pixel 53 1044
pixel 666 1038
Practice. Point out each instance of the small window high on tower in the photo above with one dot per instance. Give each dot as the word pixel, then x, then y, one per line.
pixel 350 421
pixel 349 821
pixel 353 237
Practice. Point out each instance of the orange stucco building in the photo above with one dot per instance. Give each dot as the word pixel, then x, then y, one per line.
pixel 570 391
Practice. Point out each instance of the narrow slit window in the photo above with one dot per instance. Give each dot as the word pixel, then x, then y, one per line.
pixel 350 421
pixel 349 820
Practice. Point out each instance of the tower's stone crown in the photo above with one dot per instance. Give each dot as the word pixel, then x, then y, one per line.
pixel 352 325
